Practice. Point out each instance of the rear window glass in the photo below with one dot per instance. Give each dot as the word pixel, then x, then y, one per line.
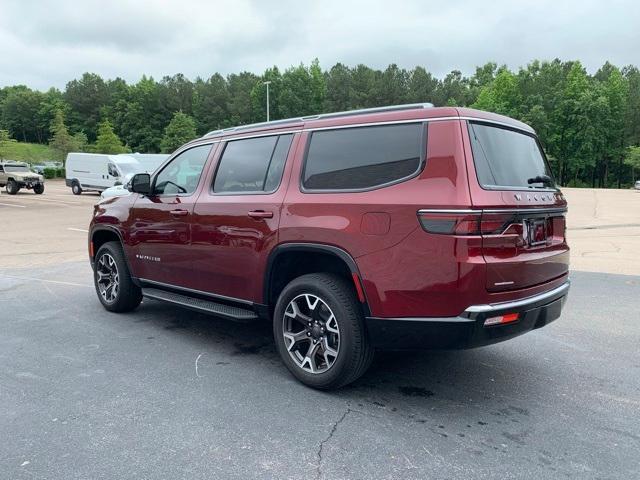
pixel 363 157
pixel 506 158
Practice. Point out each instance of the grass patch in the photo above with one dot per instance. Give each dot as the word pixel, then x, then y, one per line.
pixel 32 153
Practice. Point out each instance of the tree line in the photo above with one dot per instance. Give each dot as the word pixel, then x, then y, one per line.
pixel 589 124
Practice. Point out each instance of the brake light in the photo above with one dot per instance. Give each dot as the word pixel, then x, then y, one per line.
pixel 464 222
pixel 501 319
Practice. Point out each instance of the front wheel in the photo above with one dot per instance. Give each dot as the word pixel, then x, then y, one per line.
pixel 319 331
pixel 116 291
pixel 38 189
pixel 12 187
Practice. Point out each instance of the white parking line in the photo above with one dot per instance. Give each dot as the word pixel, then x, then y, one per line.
pixel 78 230
pixel 13 205
pixel 51 201
pixel 46 281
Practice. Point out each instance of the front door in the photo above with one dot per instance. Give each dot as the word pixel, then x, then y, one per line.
pixel 161 222
pixel 238 214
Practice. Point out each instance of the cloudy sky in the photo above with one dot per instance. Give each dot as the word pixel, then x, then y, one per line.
pixel 44 44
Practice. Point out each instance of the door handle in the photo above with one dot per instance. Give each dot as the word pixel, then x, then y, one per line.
pixel 179 213
pixel 260 214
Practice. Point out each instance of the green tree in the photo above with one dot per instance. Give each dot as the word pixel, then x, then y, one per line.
pixel 180 130
pixel 6 144
pixel 61 141
pixel 19 114
pixel 107 141
pixel 210 104
pixel 501 95
pixel 632 159
pixel 259 95
pixel 86 97
pixel 340 89
pixel 421 86
pixel 81 142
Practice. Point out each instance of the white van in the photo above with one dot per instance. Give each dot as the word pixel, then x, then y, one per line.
pixel 97 172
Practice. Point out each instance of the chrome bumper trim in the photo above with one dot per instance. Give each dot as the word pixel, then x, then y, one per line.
pixel 558 291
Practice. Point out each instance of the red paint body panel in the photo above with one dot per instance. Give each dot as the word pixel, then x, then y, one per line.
pixel 404 271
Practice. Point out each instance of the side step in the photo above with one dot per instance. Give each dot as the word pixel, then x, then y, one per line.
pixel 238 314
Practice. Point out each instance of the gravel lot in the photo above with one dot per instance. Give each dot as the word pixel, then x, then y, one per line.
pixel 168 393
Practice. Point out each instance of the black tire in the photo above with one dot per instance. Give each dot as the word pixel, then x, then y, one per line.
pixel 38 189
pixel 12 187
pixel 128 295
pixel 354 354
pixel 76 188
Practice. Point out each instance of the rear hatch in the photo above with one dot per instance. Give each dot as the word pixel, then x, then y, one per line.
pixel 523 212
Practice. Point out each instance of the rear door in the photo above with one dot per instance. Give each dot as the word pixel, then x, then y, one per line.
pixel 237 215
pixel 523 211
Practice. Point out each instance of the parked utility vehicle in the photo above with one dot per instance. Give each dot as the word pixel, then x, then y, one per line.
pixel 17 175
pixel 407 227
pixel 97 172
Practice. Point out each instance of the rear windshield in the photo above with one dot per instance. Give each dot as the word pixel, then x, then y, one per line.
pixel 506 158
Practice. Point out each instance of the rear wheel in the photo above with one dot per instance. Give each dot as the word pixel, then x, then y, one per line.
pixel 116 291
pixel 76 188
pixel 39 189
pixel 319 331
pixel 12 187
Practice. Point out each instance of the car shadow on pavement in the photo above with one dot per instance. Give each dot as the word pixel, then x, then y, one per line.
pixel 480 374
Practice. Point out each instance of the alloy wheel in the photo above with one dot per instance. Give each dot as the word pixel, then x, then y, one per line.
pixel 108 277
pixel 311 333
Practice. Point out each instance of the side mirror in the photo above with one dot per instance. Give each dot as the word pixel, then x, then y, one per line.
pixel 141 183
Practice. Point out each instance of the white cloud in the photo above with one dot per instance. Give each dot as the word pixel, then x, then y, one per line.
pixel 48 43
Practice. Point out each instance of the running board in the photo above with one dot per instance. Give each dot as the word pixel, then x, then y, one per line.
pixel 238 314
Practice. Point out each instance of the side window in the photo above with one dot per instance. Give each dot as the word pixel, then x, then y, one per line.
pixel 113 171
pixel 1 168
pixel 182 174
pixel 363 157
pixel 252 165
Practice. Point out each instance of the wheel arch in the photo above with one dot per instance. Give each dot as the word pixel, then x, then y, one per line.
pixel 282 268
pixel 102 234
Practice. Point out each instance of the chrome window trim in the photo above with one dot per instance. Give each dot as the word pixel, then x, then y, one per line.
pixel 269 134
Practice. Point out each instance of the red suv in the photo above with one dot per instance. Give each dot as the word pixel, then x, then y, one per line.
pixel 407 227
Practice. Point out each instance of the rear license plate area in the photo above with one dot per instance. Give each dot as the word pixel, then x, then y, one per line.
pixel 536 232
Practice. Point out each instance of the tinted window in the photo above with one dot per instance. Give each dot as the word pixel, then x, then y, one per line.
pixel 182 174
pixel 252 165
pixel 356 158
pixel 505 158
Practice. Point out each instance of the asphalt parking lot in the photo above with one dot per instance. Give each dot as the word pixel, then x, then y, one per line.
pixel 168 393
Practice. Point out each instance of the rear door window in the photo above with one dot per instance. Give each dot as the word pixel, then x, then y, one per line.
pixel 252 165
pixel 362 158
pixel 505 158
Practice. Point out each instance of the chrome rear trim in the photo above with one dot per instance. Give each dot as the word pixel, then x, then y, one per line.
pixel 558 291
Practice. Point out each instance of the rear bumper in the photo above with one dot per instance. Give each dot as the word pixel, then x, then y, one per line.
pixel 467 330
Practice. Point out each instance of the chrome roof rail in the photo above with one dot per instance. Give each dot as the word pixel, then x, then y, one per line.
pixel 362 111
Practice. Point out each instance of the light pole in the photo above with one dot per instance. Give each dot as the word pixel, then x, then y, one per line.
pixel 267 84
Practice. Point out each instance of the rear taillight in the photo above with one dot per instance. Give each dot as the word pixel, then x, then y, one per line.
pixel 464 222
